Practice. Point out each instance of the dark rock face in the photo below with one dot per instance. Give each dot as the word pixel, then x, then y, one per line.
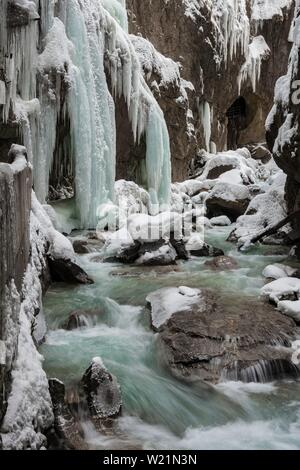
pixel 286 148
pixel 102 393
pixel 223 338
pixel 222 263
pixel 209 77
pixel 207 250
pixel 67 433
pixel 62 270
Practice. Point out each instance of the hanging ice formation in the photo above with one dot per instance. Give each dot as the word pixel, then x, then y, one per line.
pixel 76 39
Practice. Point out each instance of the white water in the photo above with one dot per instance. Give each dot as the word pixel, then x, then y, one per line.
pixel 159 411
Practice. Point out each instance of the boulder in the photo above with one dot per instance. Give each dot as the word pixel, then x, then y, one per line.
pixel 222 263
pixel 63 270
pixel 215 338
pixel 179 247
pixel 67 433
pixel 157 254
pixel 260 152
pixel 102 393
pixel 221 221
pixel 207 250
pixel 81 319
pixel 228 199
pixel 127 255
pixel 81 247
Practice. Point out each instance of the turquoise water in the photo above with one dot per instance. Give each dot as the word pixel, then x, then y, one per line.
pixel 159 411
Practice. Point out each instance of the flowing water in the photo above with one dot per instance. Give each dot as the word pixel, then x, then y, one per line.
pixel 159 411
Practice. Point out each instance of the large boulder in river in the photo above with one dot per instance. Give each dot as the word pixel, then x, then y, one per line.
pixel 102 393
pixel 228 199
pixel 67 432
pixel 65 270
pixel 82 318
pixel 206 336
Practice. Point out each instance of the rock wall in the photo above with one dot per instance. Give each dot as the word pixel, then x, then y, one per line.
pixel 198 38
pixel 15 204
pixel 283 126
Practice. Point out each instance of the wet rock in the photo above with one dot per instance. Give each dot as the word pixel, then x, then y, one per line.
pixel 222 263
pixel 81 319
pixel 157 253
pixel 102 393
pixel 81 247
pixel 63 270
pixel 260 152
pixel 67 432
pixel 207 250
pixel 127 255
pixel 220 337
pixel 179 247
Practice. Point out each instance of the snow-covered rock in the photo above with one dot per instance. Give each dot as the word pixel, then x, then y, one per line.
pixel 290 308
pixel 221 221
pixel 167 301
pixel 283 288
pixel 278 271
pixel 265 210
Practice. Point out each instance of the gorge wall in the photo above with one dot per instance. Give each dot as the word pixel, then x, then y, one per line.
pixel 93 103
pixel 225 51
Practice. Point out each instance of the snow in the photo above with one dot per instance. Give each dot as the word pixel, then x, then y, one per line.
pixel 166 253
pixel 276 290
pixel 145 227
pixel 29 411
pixel 222 221
pixel 195 242
pixel 278 271
pixel 60 246
pixel 239 160
pixel 290 308
pixel 167 301
pixel 251 69
pixel 266 209
pixel 266 9
pixel 230 192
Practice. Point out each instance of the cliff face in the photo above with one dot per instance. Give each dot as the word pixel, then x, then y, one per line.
pixel 15 204
pixel 225 53
pixel 283 126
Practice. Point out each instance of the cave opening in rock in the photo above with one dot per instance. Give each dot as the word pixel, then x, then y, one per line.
pixel 237 121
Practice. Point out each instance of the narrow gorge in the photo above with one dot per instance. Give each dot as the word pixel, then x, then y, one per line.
pixel 149 225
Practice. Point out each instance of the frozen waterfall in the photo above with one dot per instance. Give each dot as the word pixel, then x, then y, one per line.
pixel 61 81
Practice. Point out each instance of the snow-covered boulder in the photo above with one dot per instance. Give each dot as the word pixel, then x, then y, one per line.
pixel 163 303
pixel 286 288
pixel 103 394
pixel 228 199
pixel 265 210
pixel 221 221
pixel 290 308
pixel 278 271
pixel 164 255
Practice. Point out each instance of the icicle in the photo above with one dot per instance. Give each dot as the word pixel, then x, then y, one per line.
pixel 258 50
pixel 205 114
